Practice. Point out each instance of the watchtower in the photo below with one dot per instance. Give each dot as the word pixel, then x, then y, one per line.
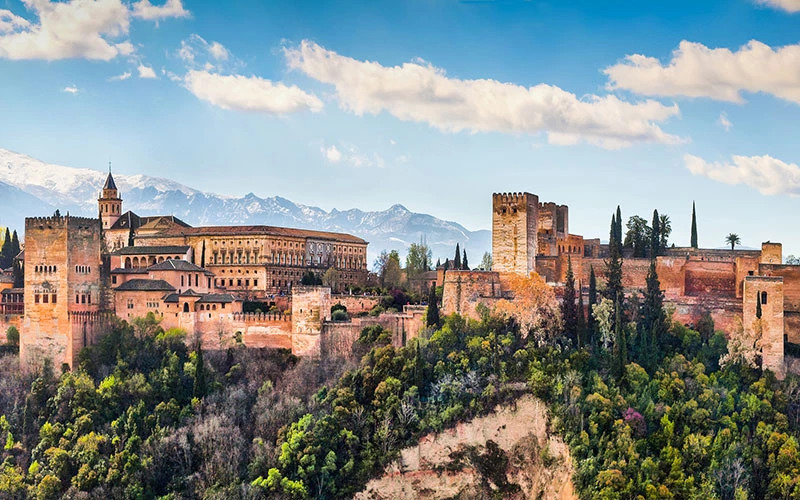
pixel 515 220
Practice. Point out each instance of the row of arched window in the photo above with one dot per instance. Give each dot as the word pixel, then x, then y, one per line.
pixel 46 298
pixel 44 269
pixel 83 269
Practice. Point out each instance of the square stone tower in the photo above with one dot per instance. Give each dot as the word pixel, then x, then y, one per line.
pixel 515 222
pixel 768 290
pixel 311 307
pixel 62 289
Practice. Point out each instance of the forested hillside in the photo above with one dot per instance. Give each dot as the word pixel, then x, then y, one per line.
pixel 146 417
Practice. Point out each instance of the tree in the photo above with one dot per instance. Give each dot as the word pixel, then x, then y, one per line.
pixel 438 263
pixel 391 275
pixel 199 388
pixel 652 318
pixel 432 317
pixel 331 278
pixel 638 236
pixel 733 239
pixel 486 262
pixel 12 335
pixel 581 334
pixel 665 226
pixel 591 324
pixel 203 255
pixel 457 261
pixel 694 227
pixel 655 236
pixel 618 231
pixel 417 259
pixel 759 311
pixel 464 262
pixel 568 310
pixel 620 340
pixel 5 252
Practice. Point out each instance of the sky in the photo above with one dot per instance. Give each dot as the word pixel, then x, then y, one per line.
pixel 431 104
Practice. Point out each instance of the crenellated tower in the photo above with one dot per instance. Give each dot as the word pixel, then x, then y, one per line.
pixel 109 203
pixel 515 220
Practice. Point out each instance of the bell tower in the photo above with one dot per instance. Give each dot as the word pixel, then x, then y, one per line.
pixel 109 202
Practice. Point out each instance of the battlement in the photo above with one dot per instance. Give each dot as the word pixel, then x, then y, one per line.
pixel 261 317
pixel 60 221
pixel 518 200
pixel 77 317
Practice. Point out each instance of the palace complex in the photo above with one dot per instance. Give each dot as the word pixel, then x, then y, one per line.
pixel 81 272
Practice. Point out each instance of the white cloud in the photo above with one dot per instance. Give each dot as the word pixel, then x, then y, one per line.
pixel 724 122
pixel 10 22
pixel 351 155
pixel 146 71
pixel 251 93
pixel 770 176
pixel 73 29
pixel 119 78
pixel 72 89
pixel 218 51
pixel 698 71
pixel 332 154
pixel 196 52
pixel 420 92
pixel 790 6
pixel 171 8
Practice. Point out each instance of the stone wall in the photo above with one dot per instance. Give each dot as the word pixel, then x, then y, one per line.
pixel 464 290
pixel 338 337
pixel 311 306
pixel 514 232
pixel 769 290
pixel 356 304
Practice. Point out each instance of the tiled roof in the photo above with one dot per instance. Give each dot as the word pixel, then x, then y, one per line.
pixel 260 231
pixel 109 182
pixel 129 270
pixel 146 285
pixel 177 265
pixel 12 290
pixel 206 298
pixel 131 220
pixel 152 250
pixel 217 298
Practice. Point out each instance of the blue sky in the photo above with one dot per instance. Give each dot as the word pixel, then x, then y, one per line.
pixel 277 98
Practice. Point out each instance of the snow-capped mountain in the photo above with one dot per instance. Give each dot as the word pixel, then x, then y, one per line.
pixel 31 187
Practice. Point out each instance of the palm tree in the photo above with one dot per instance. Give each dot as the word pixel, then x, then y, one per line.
pixel 733 239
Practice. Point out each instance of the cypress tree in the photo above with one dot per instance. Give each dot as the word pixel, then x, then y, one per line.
pixel 457 260
pixel 419 366
pixel 432 318
pixel 464 262
pixel 694 227
pixel 758 305
pixel 438 263
pixel 5 252
pixel 203 255
pixel 620 342
pixel 653 316
pixel 199 389
pixel 568 310
pixel 446 264
pixel 612 233
pixel 591 324
pixel 15 248
pixel 19 277
pixel 581 321
pixel 613 272
pixel 619 229
pixel 655 236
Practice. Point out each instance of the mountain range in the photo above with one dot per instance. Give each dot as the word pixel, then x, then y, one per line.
pixel 30 187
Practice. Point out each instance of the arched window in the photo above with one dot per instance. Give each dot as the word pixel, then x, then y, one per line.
pixel 186 307
pixel 127 262
pixel 763 297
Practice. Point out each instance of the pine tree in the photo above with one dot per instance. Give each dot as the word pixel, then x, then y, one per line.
pixel 432 318
pixel 457 260
pixel 591 325
pixel 655 236
pixel 199 389
pixel 464 262
pixel 694 227
pixel 568 310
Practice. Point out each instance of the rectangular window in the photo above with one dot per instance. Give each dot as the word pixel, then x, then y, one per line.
pixel 239 282
pixel 55 298
pixel 36 298
pixel 255 282
pixel 45 298
pixel 77 299
pixel 89 298
pixel 114 280
pixel 223 305
pixel 83 299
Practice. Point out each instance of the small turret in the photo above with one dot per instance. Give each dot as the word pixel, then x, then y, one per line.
pixel 109 203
